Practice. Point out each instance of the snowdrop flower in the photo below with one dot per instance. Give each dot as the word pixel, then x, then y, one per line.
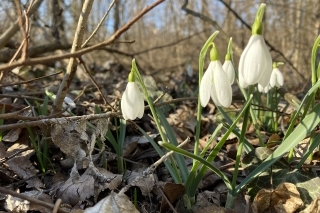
pixel 132 102
pixel 215 83
pixel 228 68
pixel 255 64
pixel 276 79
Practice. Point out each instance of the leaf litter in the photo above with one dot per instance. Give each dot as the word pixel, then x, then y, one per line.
pixel 87 185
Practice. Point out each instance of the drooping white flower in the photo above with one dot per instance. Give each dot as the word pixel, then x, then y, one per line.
pixel 132 102
pixel 215 83
pixel 276 79
pixel 255 64
pixel 229 69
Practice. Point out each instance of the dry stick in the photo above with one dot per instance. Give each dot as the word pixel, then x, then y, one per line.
pixel 40 120
pixel 56 205
pixel 16 116
pixel 78 53
pixel 95 84
pixel 30 81
pixel 167 200
pixel 20 96
pixel 99 24
pixel 50 121
pixel 152 168
pixel 7 35
pixel 31 199
pixel 72 65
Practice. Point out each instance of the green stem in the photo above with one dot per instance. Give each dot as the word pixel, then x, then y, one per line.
pixel 156 119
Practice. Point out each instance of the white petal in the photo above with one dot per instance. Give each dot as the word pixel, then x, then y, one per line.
pixel 70 102
pixel 242 83
pixel 260 88
pixel 205 86
pixel 229 69
pixel 255 61
pixel 124 104
pixel 131 102
pixel 222 86
pixel 267 65
pixel 140 106
pixel 276 79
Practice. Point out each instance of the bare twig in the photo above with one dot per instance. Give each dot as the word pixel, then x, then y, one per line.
pixel 72 65
pixel 30 81
pixel 78 53
pixel 237 50
pixel 56 205
pixel 99 24
pixel 94 83
pixel 7 35
pixel 32 200
pixel 58 120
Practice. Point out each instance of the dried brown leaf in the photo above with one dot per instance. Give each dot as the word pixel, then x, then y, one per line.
pixel 12 135
pixel 114 203
pixel 70 137
pixel 284 199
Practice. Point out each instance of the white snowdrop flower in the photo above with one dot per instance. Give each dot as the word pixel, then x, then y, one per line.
pixel 132 102
pixel 276 79
pixel 255 64
pixel 215 83
pixel 229 69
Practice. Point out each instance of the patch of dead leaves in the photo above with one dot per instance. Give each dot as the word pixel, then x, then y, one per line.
pixel 284 199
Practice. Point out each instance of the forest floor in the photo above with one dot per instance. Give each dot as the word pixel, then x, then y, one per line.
pixel 52 161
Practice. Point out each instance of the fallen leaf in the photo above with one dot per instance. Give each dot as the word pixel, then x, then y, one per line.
pixel 113 203
pixel 173 192
pixel 284 199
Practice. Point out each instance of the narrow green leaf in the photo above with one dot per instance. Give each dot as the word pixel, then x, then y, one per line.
pixel 300 132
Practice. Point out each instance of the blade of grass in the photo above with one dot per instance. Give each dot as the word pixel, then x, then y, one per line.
pixel 170 134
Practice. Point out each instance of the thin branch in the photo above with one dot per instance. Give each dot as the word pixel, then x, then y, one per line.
pixel 95 84
pixel 13 29
pixel 72 65
pixel 78 53
pixel 237 50
pixel 29 81
pixel 99 24
pixel 51 121
pixel 30 199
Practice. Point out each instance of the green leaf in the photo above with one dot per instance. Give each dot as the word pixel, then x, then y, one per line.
pixel 300 132
pixel 307 183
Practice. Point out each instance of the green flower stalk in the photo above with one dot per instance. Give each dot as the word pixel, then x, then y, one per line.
pixel 227 65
